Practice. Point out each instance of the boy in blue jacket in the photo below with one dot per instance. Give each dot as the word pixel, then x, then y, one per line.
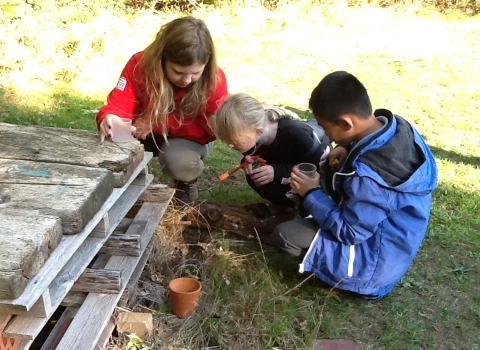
pixel 369 218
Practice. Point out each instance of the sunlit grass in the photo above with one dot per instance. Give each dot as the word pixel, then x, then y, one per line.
pixel 57 68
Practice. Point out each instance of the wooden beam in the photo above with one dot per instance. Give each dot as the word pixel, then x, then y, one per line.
pixel 98 281
pixel 122 245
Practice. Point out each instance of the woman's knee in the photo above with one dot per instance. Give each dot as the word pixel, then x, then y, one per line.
pixel 181 159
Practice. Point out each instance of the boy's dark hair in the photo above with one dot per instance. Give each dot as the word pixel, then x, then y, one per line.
pixel 337 94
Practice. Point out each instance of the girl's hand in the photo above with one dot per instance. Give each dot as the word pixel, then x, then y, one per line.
pixel 106 126
pixel 141 130
pixel 262 175
pixel 249 168
pixel 336 157
pixel 302 183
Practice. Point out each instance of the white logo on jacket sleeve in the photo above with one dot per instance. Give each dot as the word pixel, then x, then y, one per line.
pixel 122 82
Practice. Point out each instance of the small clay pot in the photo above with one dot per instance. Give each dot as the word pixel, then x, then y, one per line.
pixel 184 294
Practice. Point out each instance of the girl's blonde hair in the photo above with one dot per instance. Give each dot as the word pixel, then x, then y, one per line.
pixel 240 113
pixel 183 41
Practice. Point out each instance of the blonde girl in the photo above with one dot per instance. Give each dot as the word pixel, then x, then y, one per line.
pixel 170 90
pixel 275 134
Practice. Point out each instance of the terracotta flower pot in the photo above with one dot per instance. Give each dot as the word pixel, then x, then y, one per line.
pixel 184 293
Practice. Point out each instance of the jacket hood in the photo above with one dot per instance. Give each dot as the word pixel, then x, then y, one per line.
pixel 398 156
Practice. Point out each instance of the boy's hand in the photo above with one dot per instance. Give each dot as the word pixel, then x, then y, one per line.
pixel 302 183
pixel 263 175
pixel 336 157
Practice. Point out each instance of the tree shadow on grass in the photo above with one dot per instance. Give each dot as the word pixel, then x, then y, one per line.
pixel 438 152
pixel 61 108
pixel 455 157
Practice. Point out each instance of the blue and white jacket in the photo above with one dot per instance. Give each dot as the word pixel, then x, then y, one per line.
pixel 375 215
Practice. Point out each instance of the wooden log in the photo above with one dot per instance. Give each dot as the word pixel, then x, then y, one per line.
pixel 247 221
pixel 98 281
pixel 70 146
pixel 122 245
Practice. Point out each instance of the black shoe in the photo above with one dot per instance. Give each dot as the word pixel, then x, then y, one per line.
pixel 186 191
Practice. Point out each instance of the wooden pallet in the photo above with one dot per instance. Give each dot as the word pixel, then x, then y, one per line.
pixel 46 291
pixel 41 295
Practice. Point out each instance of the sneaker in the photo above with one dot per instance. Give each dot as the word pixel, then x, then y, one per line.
pixel 186 191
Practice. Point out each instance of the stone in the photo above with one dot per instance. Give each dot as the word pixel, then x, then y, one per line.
pixel 135 322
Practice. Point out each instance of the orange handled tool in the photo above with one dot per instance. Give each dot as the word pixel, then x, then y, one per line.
pixel 241 166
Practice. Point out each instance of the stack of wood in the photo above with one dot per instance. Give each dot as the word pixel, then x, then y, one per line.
pixel 62 196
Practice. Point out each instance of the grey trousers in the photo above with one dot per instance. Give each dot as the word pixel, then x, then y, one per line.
pixel 182 159
pixel 294 237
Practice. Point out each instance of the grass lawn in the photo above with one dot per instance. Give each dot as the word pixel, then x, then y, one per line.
pixel 57 69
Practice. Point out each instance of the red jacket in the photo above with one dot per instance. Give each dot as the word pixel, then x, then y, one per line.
pixel 127 100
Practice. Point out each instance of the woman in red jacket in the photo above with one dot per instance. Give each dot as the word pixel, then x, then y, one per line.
pixel 170 90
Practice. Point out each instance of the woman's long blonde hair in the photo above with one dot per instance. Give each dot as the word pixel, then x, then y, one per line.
pixel 241 112
pixel 183 41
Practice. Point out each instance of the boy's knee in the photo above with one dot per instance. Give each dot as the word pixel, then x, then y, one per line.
pixel 281 242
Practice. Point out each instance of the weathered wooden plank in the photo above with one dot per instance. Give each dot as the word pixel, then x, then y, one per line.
pixel 121 208
pixel 155 193
pixel 124 224
pixel 27 239
pixel 73 193
pixel 70 146
pixel 74 299
pixel 106 334
pixel 122 244
pixel 131 288
pixel 97 308
pixel 67 315
pixel 70 244
pixel 98 281
pixel 25 344
pixel 28 327
pixel 102 227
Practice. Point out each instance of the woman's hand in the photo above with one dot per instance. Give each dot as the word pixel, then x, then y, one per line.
pixel 302 183
pixel 336 157
pixel 106 126
pixel 141 130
